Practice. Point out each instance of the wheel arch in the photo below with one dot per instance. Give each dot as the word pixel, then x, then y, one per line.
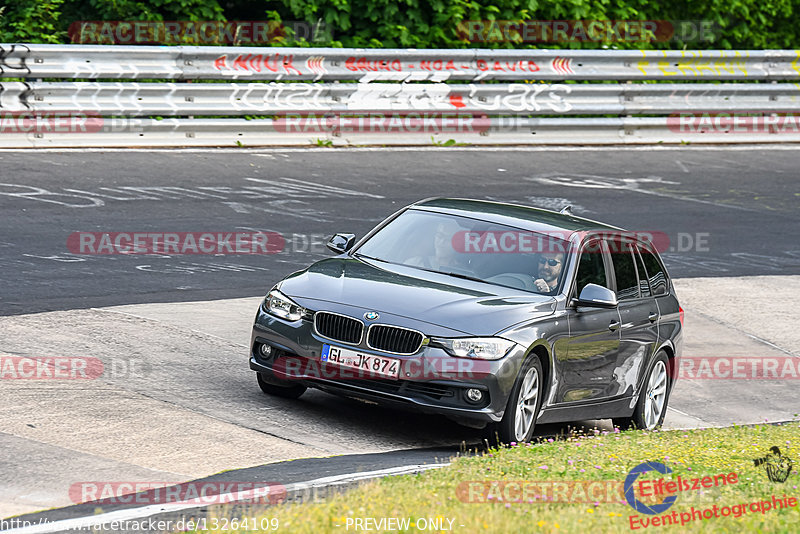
pixel 672 362
pixel 541 350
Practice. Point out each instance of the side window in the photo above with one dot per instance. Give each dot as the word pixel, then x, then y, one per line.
pixel 655 273
pixel 624 269
pixel 644 286
pixel 591 269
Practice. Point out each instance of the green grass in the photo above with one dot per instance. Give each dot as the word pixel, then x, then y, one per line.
pixel 440 493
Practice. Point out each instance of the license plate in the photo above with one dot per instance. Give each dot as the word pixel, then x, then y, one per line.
pixel 368 364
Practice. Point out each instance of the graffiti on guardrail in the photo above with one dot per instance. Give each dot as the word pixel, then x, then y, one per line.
pixel 18 53
pixel 608 112
pixel 277 63
pixel 444 64
pixel 184 62
pixel 438 96
pixel 696 63
pixel 275 97
pixel 414 97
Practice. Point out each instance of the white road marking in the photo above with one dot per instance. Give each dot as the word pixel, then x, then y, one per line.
pixel 592 181
pixel 312 187
pixel 130 514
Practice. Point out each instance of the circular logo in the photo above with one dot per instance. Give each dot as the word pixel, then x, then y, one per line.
pixel 371 316
pixel 630 482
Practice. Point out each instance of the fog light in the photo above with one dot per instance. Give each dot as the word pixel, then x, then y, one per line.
pixel 474 395
pixel 266 351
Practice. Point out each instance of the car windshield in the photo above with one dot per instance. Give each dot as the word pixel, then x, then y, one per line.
pixel 472 249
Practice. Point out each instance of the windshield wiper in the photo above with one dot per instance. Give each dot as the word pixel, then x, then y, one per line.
pixel 465 277
pixel 357 255
pixel 455 275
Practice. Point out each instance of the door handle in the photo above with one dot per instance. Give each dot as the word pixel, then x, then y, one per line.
pixel 653 316
pixel 614 326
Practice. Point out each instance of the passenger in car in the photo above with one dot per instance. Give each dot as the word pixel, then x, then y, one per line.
pixel 444 257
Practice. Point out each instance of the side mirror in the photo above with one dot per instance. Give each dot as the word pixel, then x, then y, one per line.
pixel 595 296
pixel 341 243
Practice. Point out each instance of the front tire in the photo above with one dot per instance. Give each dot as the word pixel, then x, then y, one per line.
pixel 519 418
pixel 653 399
pixel 291 391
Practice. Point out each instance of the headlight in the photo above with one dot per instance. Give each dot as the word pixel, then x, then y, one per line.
pixel 282 306
pixel 482 348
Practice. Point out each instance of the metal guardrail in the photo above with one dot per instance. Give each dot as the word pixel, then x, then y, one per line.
pixel 439 94
pixel 497 131
pixel 181 99
pixel 399 65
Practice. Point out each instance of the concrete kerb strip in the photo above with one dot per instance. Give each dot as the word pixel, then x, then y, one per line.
pixel 295 492
pixel 267 151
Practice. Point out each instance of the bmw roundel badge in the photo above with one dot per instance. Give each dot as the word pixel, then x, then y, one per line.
pixel 371 316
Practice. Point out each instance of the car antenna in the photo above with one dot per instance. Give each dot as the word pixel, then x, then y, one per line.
pixel 566 210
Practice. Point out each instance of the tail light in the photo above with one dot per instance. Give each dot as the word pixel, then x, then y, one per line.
pixel 680 314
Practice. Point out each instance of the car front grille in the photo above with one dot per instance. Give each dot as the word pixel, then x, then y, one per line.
pixel 339 327
pixel 394 339
pixel 401 387
pixel 431 390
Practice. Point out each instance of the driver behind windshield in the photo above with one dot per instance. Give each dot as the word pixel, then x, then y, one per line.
pixel 548 271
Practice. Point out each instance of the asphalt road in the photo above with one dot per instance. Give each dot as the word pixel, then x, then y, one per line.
pixel 727 212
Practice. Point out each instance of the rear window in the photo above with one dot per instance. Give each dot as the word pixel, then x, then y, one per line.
pixel 655 272
pixel 624 269
pixel 644 286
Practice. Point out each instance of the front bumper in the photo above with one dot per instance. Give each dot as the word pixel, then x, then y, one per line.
pixel 429 381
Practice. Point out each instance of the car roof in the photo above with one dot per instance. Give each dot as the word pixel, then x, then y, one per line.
pixel 525 217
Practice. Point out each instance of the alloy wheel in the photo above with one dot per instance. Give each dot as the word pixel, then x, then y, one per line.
pixel 655 396
pixel 526 404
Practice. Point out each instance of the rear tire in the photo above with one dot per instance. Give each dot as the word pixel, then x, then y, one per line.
pixel 519 419
pixel 653 399
pixel 291 391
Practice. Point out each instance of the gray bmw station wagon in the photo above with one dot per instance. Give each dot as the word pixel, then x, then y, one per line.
pixel 488 313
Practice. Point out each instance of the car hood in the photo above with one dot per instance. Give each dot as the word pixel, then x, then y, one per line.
pixel 472 308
